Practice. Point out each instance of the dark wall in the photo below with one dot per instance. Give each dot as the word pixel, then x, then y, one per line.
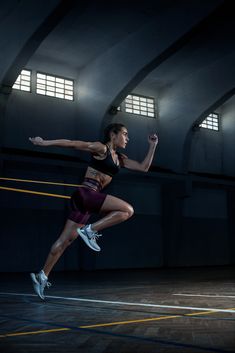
pixel 207 151
pixel 177 222
pixel 184 208
pixel 27 115
pixel 228 130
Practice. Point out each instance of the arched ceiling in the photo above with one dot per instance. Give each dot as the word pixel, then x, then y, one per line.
pixel 179 51
pixel 85 34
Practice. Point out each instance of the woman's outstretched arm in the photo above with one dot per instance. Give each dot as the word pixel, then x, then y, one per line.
pixel 146 163
pixel 94 147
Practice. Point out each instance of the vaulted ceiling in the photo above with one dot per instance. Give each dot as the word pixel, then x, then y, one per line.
pixel 181 52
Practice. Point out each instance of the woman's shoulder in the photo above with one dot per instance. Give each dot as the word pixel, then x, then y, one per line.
pixel 121 158
pixel 99 149
pixel 122 155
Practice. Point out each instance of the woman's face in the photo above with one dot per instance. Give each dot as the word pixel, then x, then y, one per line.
pixel 121 138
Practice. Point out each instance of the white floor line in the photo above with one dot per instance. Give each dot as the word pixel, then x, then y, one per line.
pixel 126 303
pixel 205 295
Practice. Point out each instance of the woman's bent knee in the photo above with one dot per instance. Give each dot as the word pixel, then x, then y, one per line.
pixel 130 211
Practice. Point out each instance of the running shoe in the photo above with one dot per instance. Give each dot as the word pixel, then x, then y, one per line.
pixel 39 283
pixel 89 237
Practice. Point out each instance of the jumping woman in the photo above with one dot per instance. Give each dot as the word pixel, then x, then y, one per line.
pixel 87 199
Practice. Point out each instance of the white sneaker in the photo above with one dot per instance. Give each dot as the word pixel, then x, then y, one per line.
pixel 39 283
pixel 89 237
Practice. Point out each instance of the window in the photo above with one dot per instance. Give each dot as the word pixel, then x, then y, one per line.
pixel 23 81
pixel 211 122
pixel 52 86
pixel 140 105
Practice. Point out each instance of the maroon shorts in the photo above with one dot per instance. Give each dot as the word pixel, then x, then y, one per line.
pixel 85 201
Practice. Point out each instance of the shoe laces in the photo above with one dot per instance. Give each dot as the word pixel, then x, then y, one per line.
pixel 96 235
pixel 48 284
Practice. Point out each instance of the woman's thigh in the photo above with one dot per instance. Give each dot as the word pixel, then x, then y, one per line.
pixel 112 203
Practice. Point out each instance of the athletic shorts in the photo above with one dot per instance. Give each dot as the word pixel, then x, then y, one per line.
pixel 84 202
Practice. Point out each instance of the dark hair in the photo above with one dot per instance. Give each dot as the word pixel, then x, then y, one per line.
pixel 116 127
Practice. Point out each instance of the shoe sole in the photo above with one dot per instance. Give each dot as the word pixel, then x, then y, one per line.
pixel 85 239
pixel 36 286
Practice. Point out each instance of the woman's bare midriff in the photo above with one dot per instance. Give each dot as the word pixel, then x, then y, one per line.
pixel 103 179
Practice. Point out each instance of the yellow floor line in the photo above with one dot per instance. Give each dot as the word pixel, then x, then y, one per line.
pixel 109 324
pixel 201 313
pixel 206 312
pixel 33 332
pixel 35 192
pixel 38 182
pixel 150 319
pixel 130 321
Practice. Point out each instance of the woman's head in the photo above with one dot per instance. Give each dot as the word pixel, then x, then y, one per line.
pixel 117 134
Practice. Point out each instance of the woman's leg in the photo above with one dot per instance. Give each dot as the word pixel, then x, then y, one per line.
pixel 116 211
pixel 68 235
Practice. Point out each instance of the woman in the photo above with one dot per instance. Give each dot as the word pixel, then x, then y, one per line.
pixel 87 199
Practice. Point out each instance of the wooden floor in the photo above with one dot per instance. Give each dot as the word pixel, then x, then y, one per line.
pixel 130 311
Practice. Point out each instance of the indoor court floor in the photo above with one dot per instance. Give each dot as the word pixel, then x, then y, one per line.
pixel 121 311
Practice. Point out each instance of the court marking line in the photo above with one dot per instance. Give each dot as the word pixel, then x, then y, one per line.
pixel 127 322
pixel 205 295
pixel 26 333
pixel 110 323
pixel 126 336
pixel 213 311
pixel 149 319
pixel 90 327
pixel 125 303
pixel 35 192
pixel 38 182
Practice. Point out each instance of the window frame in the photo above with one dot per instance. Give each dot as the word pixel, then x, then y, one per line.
pixel 140 101
pixel 56 88
pixel 211 122
pixel 20 83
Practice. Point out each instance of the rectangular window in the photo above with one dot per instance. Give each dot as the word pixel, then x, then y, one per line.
pixel 23 81
pixel 211 122
pixel 53 86
pixel 140 105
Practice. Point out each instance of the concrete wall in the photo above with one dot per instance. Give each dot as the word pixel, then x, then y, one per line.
pixel 177 222
pixel 182 218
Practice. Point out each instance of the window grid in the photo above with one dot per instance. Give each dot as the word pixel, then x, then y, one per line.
pixel 53 86
pixel 23 81
pixel 140 105
pixel 211 122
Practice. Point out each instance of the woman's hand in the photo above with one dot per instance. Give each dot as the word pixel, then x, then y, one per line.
pixel 37 141
pixel 153 139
